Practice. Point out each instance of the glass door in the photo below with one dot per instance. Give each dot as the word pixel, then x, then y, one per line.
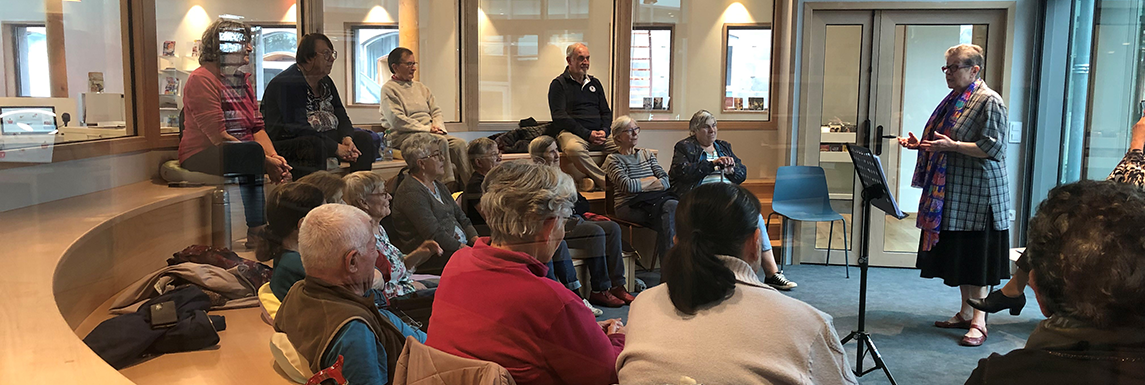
pixel 872 71
pixel 910 85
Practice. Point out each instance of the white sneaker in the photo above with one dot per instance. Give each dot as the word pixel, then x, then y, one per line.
pixel 595 311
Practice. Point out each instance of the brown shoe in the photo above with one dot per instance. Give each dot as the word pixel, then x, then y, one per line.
pixel 621 293
pixel 960 323
pixel 604 298
pixel 974 341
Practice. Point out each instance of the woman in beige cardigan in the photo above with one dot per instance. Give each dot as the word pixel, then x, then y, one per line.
pixel 703 323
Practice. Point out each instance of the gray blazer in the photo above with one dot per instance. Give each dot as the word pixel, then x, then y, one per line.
pixel 418 217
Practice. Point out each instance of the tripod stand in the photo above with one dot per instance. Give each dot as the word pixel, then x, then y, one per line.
pixel 861 337
pixel 875 193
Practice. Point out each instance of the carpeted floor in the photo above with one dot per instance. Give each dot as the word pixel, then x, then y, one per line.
pixel 901 310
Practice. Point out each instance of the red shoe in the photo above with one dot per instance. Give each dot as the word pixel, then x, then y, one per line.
pixel 962 323
pixel 604 298
pixel 623 294
pixel 974 341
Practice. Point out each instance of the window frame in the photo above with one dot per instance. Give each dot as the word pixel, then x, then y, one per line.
pixel 727 27
pixel 351 60
pixel 671 28
pixel 274 25
pixel 13 47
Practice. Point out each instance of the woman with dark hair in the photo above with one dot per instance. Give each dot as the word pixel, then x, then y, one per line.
pixel 285 208
pixel 700 159
pixel 223 131
pixel 703 323
pixel 305 116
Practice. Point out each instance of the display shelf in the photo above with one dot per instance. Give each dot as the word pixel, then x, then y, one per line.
pixel 838 137
pixel 834 156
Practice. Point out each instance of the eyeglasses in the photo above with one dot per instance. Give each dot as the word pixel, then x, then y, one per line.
pixel 410 63
pixel 953 68
pixel 332 55
pixel 437 155
pixel 633 130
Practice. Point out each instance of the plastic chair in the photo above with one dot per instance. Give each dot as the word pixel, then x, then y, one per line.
pixel 801 195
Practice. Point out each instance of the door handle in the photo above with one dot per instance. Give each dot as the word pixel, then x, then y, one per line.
pixel 879 139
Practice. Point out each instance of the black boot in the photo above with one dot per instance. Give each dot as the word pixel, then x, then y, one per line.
pixel 997 301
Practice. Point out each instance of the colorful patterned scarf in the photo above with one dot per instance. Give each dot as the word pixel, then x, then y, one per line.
pixel 930 170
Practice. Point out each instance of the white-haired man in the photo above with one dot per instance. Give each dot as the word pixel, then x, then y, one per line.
pixel 333 311
pixel 580 111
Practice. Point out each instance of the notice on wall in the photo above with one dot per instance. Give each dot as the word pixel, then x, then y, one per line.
pixel 95 81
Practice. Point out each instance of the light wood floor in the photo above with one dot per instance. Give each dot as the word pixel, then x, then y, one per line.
pixel 901 235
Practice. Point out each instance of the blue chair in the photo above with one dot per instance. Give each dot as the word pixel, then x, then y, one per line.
pixel 801 195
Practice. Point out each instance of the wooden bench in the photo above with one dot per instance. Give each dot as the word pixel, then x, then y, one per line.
pixel 68 259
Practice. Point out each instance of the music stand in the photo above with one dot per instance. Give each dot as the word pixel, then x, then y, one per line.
pixel 875 193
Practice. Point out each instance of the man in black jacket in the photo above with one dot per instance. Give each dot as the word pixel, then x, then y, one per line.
pixel 581 113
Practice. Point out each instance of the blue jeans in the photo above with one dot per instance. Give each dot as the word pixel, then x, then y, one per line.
pixel 601 240
pixel 561 268
pixel 763 229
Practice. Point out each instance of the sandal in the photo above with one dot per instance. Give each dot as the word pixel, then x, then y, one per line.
pixel 962 323
pixel 974 341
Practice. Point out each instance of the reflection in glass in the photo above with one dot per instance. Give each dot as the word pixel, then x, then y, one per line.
pixel 840 115
pixel 274 49
pixel 372 46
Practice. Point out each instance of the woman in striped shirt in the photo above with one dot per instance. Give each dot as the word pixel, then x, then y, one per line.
pixel 641 185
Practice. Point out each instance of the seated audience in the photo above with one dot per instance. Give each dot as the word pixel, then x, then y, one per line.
pixel 330 184
pixel 601 239
pixel 305 117
pixel 338 253
pixel 484 155
pixel 410 108
pixel 704 322
pixel 580 111
pixel 530 325
pixel 641 186
pixel 285 208
pixel 1086 263
pixel 701 158
pixel 223 131
pixel 367 191
pixel 424 208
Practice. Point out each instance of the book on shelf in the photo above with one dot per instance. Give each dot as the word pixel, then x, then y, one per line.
pixel 171 86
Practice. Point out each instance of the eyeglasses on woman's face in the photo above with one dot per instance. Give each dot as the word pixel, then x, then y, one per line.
pixel 328 54
pixel 952 68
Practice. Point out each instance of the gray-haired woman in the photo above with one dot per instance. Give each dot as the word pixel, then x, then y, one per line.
pixel 702 159
pixel 641 186
pixel 494 294
pixel 424 208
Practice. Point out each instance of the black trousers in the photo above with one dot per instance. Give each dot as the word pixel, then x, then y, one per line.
pixel 245 159
pixel 307 154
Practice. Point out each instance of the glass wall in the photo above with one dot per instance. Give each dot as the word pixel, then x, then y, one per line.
pixel 179 28
pixel 364 33
pixel 720 59
pixel 63 76
pixel 521 48
pixel 1105 91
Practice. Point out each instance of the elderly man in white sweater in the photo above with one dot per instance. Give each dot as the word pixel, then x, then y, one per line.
pixel 409 108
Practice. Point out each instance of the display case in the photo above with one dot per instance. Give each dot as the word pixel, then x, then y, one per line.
pixel 171 83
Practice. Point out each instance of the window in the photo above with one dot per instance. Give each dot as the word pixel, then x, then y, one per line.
pixel 31 46
pixel 371 46
pixel 521 48
pixel 747 71
pixel 364 33
pixel 650 82
pixel 274 48
pixel 179 27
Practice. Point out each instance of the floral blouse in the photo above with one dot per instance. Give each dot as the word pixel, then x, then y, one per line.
pixel 401 279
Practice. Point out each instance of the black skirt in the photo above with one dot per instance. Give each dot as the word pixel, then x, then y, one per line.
pixel 978 258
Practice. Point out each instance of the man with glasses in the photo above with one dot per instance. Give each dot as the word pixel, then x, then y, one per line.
pixel 581 113
pixel 305 116
pixel 409 108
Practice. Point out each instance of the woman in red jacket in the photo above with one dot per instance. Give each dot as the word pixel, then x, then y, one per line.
pixel 494 302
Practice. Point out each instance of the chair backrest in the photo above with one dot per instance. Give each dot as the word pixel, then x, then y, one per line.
pixel 800 187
